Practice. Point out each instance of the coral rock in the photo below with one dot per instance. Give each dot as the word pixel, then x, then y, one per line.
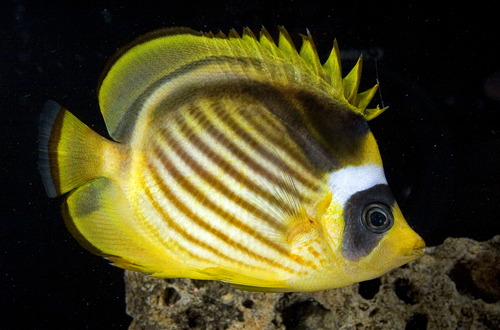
pixel 453 286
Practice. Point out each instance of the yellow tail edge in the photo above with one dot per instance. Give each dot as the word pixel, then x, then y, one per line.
pixel 69 152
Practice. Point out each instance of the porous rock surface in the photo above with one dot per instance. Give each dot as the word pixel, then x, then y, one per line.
pixel 453 286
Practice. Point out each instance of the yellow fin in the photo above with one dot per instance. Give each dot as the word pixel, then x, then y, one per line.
pixel 137 67
pixel 255 284
pixel 362 99
pixel 251 40
pixel 70 153
pixel 286 46
pixel 373 113
pixel 333 69
pixel 258 288
pixel 309 54
pixel 268 43
pixel 99 216
pixel 351 82
pixel 140 67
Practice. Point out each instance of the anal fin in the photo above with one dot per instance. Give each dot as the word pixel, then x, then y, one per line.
pixel 253 282
pixel 99 216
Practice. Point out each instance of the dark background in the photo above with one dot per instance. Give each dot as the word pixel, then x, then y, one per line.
pixel 439 72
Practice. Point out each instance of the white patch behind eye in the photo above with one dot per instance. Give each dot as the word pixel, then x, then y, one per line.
pixel 347 181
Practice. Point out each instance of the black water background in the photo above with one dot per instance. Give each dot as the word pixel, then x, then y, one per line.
pixel 439 139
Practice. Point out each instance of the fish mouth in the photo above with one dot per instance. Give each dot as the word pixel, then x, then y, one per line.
pixel 417 250
pixel 417 253
pixel 410 255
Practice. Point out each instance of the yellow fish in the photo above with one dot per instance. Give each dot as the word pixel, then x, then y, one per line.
pixel 235 160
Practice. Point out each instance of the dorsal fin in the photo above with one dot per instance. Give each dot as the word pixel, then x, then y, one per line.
pixel 160 33
pixel 137 66
pixel 128 72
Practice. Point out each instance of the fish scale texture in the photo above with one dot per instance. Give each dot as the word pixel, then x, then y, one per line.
pixel 453 286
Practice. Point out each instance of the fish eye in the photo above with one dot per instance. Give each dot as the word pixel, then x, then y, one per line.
pixel 377 218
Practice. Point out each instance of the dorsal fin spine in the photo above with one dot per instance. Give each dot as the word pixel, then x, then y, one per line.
pixel 268 43
pixel 351 82
pixel 333 69
pixel 362 99
pixel 250 40
pixel 309 54
pixel 287 47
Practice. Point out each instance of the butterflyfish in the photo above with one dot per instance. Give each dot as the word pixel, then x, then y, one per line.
pixel 233 158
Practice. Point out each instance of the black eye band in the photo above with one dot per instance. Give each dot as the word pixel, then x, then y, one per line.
pixel 368 216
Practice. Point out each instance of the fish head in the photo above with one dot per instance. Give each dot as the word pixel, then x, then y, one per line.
pixel 397 246
pixel 365 228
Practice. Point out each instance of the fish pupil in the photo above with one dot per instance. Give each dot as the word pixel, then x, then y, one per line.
pixel 378 219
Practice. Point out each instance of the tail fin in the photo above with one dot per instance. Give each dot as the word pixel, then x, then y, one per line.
pixel 69 152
